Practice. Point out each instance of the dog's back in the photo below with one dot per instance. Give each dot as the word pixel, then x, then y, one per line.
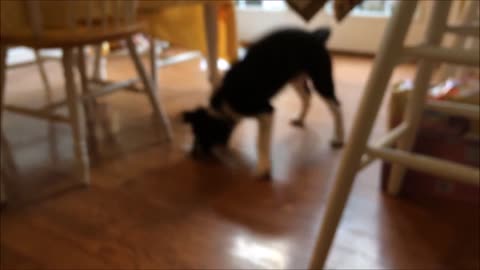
pixel 273 61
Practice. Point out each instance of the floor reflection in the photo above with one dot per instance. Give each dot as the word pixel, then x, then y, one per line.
pixel 268 255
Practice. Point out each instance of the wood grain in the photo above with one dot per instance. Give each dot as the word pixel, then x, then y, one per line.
pixel 152 207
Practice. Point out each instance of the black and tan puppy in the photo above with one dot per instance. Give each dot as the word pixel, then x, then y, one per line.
pixel 287 56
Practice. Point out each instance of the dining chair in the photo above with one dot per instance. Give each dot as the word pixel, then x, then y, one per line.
pixel 71 26
pixel 359 153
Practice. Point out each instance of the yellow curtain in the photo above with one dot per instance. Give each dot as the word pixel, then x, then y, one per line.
pixel 184 25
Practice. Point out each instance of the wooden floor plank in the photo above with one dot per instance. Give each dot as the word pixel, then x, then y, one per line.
pixel 151 206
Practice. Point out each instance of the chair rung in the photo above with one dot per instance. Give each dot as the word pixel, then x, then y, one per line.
pixel 454 56
pixel 115 85
pixel 37 113
pixel 104 89
pixel 112 85
pixel 171 60
pixel 388 140
pixel 439 167
pixel 454 108
pixel 466 30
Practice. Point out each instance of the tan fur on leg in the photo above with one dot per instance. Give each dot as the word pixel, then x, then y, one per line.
pixel 339 134
pixel 300 87
pixel 264 140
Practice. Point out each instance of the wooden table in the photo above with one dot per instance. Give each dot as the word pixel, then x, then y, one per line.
pixel 211 31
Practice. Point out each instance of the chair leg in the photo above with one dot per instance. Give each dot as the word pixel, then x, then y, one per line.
pixel 211 31
pixel 43 75
pixel 3 71
pixel 48 99
pixel 3 193
pixel 7 160
pixel 8 168
pixel 7 163
pixel 76 117
pixel 153 61
pixel 99 64
pixel 89 104
pixel 384 63
pixel 467 17
pixel 150 87
pixel 416 101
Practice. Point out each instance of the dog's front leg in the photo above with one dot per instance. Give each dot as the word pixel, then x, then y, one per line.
pixel 264 140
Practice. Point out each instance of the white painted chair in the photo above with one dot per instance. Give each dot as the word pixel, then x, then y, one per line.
pixel 21 57
pixel 358 153
pixel 72 25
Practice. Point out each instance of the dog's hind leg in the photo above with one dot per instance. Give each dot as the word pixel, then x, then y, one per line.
pixel 325 87
pixel 264 141
pixel 339 133
pixel 301 88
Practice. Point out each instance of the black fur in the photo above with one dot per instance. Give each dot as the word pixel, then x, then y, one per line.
pixel 250 83
pixel 270 64
pixel 208 131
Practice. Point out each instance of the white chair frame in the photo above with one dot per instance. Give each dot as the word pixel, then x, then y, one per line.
pixel 122 15
pixel 358 153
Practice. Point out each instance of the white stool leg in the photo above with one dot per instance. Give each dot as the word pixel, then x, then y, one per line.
pixel 150 88
pixel 416 101
pixel 211 31
pixel 384 63
pixel 76 117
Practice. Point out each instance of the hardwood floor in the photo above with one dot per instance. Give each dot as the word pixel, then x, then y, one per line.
pixel 152 207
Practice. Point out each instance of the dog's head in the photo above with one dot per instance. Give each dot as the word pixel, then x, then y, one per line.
pixel 208 130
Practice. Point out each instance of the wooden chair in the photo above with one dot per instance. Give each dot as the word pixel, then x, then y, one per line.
pixel 72 25
pixel 358 154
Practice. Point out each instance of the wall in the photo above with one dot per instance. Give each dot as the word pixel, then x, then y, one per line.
pixel 356 33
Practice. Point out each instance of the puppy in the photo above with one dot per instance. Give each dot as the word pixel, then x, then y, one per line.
pixel 287 56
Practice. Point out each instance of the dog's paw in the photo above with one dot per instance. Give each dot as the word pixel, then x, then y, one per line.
pixel 336 143
pixel 297 123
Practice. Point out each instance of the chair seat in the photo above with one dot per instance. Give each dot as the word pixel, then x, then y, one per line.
pixel 55 38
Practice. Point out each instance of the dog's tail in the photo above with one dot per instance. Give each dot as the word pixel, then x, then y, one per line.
pixel 322 34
